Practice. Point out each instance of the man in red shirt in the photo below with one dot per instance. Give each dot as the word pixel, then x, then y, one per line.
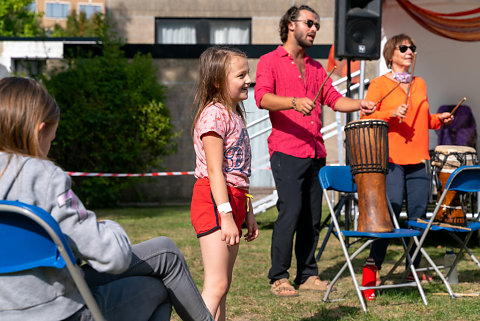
pixel 287 82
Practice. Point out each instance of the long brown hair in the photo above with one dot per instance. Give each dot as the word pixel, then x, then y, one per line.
pixel 24 105
pixel 214 68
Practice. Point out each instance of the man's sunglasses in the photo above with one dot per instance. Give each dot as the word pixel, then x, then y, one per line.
pixel 403 48
pixel 309 23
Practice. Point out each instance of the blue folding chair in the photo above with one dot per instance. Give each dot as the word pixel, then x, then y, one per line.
pixel 340 179
pixel 29 238
pixel 465 179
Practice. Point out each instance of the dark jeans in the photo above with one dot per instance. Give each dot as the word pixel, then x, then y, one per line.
pixel 409 182
pixel 158 277
pixel 299 213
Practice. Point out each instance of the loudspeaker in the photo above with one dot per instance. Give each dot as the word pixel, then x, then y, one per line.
pixel 358 26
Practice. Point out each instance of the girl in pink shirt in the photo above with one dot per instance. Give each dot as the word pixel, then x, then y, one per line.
pixel 220 203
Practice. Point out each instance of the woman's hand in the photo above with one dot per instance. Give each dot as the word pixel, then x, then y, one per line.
pixel 229 229
pixel 401 111
pixel 446 118
pixel 252 227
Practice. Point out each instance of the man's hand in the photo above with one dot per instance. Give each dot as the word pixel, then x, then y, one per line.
pixel 367 107
pixel 304 105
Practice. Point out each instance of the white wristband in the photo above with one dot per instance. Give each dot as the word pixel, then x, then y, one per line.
pixel 224 208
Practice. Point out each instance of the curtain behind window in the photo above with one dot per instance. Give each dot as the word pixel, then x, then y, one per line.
pixel 176 33
pixel 227 32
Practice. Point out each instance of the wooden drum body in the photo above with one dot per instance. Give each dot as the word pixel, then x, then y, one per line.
pixel 445 160
pixel 367 152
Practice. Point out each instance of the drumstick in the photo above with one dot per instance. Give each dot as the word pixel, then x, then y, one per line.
pixel 411 80
pixel 391 90
pixel 419 220
pixel 458 105
pixel 321 87
pixel 323 84
pixel 459 294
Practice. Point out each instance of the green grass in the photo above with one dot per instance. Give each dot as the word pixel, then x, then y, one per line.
pixel 250 299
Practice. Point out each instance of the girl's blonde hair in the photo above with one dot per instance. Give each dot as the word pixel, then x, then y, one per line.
pixel 212 84
pixel 24 105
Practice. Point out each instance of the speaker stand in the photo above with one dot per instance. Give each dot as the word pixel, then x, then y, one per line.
pixel 349 84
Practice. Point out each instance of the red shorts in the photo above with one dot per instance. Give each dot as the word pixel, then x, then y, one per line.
pixel 203 213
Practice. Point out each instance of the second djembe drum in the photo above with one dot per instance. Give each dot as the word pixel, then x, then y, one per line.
pixel 367 155
pixel 445 160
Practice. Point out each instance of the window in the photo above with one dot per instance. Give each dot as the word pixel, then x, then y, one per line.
pixel 89 9
pixel 32 7
pixel 56 10
pixel 28 67
pixel 202 31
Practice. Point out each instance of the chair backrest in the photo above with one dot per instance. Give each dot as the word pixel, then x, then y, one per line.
pixel 26 238
pixel 337 178
pixel 30 237
pixel 465 179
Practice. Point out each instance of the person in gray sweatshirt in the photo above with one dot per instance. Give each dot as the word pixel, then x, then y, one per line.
pixel 139 282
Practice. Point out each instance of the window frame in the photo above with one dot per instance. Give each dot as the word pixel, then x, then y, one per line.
pixel 90 5
pixel 57 3
pixel 197 20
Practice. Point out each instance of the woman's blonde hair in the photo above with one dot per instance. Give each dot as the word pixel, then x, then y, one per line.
pixel 212 84
pixel 24 105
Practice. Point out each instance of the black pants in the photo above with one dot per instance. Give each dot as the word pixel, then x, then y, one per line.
pixel 299 213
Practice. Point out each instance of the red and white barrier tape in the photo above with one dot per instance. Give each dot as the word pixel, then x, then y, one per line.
pixel 128 175
pixel 84 174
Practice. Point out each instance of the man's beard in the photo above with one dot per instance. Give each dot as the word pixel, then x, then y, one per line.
pixel 302 42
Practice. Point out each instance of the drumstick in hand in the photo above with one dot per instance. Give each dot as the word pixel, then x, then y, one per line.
pixel 321 87
pixel 391 90
pixel 411 80
pixel 458 105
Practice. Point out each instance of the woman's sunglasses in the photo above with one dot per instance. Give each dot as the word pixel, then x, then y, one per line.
pixel 403 48
pixel 310 23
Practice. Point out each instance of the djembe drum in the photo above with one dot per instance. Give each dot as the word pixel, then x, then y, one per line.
pixel 367 153
pixel 445 160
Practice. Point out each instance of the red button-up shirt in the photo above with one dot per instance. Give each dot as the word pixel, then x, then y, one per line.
pixel 293 134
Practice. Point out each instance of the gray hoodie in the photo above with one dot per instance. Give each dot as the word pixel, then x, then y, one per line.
pixel 48 293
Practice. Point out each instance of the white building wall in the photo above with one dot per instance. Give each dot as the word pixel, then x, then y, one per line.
pixel 27 50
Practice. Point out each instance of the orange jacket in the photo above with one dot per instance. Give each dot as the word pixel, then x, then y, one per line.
pixel 407 140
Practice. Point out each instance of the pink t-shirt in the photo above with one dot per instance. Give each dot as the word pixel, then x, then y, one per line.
pixel 237 155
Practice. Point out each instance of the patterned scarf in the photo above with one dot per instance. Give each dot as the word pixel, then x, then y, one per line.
pixel 403 77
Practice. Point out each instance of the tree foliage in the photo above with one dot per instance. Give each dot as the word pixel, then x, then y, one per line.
pixel 17 20
pixel 113 119
pixel 78 25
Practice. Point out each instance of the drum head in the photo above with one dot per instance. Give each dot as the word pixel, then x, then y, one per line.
pixel 366 123
pixel 447 149
pixel 452 156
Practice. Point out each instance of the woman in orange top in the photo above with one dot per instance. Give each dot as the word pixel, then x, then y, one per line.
pixel 408 126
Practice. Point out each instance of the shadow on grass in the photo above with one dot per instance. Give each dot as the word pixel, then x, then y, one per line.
pixel 336 313
pixel 265 225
